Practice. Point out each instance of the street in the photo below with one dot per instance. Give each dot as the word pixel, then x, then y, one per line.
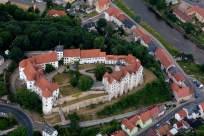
pixel 5 65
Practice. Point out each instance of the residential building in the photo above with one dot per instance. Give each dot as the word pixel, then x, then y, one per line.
pixel 125 79
pixel 152 47
pixel 56 13
pixel 72 12
pixel 1 60
pixel 181 124
pixel 112 15
pixel 181 94
pixel 3 1
pixel 88 10
pixel 128 127
pixel 128 25
pixel 31 71
pixel 49 131
pixel 154 111
pixel 182 16
pixel 201 109
pixel 145 119
pixel 171 2
pixel 197 11
pixel 102 5
pixel 140 36
pixel 71 56
pixel 180 115
pixel 25 4
pixel 151 133
pixel 135 120
pixel 90 26
pixel 118 133
pixel 164 131
pixel 164 59
pixel 192 111
pixel 162 110
pixel 59 50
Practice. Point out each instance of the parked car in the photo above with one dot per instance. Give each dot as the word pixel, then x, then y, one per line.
pixel 2 113
pixel 158 125
pixel 196 83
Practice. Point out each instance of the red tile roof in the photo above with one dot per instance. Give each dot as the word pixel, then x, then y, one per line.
pixel 145 37
pixel 182 113
pixel 182 15
pixel 185 123
pixel 200 11
pixel 45 58
pixel 119 75
pixel 202 105
pixel 179 77
pixel 130 59
pixel 113 11
pixel 127 124
pixel 163 130
pixel 179 124
pixel 145 116
pixel 115 57
pixel 22 64
pixel 151 133
pixel 102 2
pixel 118 133
pixel 154 111
pixel 181 92
pixel 53 12
pixel 30 71
pixel 102 54
pixel 93 53
pixel 46 93
pixel 122 17
pixel 133 67
pixel 192 9
pixel 134 119
pixel 164 58
pixel 71 53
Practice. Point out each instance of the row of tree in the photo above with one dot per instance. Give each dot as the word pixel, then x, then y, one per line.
pixel 7 122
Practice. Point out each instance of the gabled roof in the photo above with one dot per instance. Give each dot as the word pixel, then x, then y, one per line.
pixel 151 133
pixel 163 57
pixel 179 77
pixel 113 11
pixel 179 124
pixel 181 92
pixel 45 58
pixel 115 57
pixel 102 2
pixel 163 130
pixel 145 37
pixel 130 59
pixel 71 53
pixel 134 119
pixel 118 133
pixel 182 113
pixel 46 93
pixel 202 105
pixel 128 124
pixel 145 116
pixel 200 11
pixel 54 12
pixel 154 111
pixel 121 17
pixel 192 9
pixel 90 53
pixel 182 15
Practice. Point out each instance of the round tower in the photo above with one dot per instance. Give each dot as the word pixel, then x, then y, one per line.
pixel 117 65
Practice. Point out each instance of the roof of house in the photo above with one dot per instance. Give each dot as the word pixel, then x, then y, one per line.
pixel 26 2
pixel 46 93
pixel 154 111
pixel 130 59
pixel 102 2
pixel 53 12
pixel 182 113
pixel 118 133
pixel 202 105
pixel 59 48
pixel 90 53
pixel 153 46
pixel 115 57
pixel 113 11
pixel 1 57
pixel 133 67
pixel 127 124
pixel 192 108
pixel 45 58
pixel 128 23
pixel 192 9
pixel 172 70
pixel 179 77
pixel 30 71
pixel 151 133
pixel 184 123
pixel 121 17
pixel 48 129
pixel 179 124
pixel 164 58
pixel 181 92
pixel 145 37
pixel 162 108
pixel 200 11
pixel 145 116
pixel 134 119
pixel 89 25
pixel 182 15
pixel 163 130
pixel 72 53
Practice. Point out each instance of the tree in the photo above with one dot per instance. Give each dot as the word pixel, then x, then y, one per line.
pixel 138 18
pixel 190 57
pixel 74 81
pixel 100 71
pixel 68 5
pixel 49 3
pixel 202 68
pixel 84 132
pixel 161 4
pixel 7 38
pixel 49 68
pixel 37 11
pixel 16 54
pixel 3 124
pixel 74 125
pixel 189 27
pixel 30 9
pixel 23 42
pixel 11 119
pixel 109 28
pixel 20 131
pixel 2 89
pixel 101 23
pixel 85 83
pixel 99 43
pixel 36 133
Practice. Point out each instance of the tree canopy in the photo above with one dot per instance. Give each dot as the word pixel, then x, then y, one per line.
pixel 49 68
pixel 2 88
pixel 85 83
pixel 20 131
pixel 100 71
pixel 16 54
pixel 101 23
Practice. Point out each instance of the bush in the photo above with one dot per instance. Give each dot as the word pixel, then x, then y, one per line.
pixel 85 83
pixel 49 68
pixel 92 106
pixel 74 81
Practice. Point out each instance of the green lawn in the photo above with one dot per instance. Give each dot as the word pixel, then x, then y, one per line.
pixel 93 13
pixel 68 90
pixel 62 78
pixel 87 66
pixel 108 69
pixel 192 70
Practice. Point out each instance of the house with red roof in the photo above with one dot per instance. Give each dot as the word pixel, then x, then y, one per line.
pixel 181 94
pixel 31 70
pixel 56 13
pixel 146 119
pixel 164 131
pixel 192 111
pixel 118 133
pixel 164 59
pixel 151 133
pixel 181 124
pixel 197 11
pixel 180 115
pixel 154 112
pixel 141 36
pixel 128 127
pixel 201 109
pixel 102 5
pixel 114 15
pixel 182 16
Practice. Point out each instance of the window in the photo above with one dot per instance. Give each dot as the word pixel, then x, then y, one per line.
pixel 46 105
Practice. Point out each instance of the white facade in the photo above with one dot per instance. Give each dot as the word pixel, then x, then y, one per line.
pixel 92 60
pixel 71 60
pixel 49 131
pixel 193 115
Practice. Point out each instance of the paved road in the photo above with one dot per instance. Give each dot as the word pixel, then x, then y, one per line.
pixel 5 65
pixel 94 19
pixel 22 118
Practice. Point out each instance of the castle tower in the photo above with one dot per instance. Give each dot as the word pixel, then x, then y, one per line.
pixel 117 66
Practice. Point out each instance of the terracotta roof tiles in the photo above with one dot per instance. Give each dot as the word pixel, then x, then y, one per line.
pixel 45 58
pixel 163 130
pixel 113 11
pixel 182 113
pixel 46 93
pixel 121 17
pixel 154 111
pixel 200 11
pixel 22 64
pixel 130 59
pixel 182 15
pixel 151 133
pixel 192 9
pixel 53 12
pixel 30 71
pixel 134 119
pixel 71 53
pixel 145 116
pixel 90 53
pixel 127 124
pixel 179 124
pixel 145 37
pixel 179 77
pixel 102 2
pixel 181 92
pixel 118 133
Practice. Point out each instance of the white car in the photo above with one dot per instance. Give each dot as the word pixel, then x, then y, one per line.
pixel 3 113
pixel 158 125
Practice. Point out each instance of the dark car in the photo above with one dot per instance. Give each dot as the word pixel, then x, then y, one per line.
pixel 4 69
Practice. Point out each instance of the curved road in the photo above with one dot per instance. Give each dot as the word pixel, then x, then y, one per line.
pixel 21 117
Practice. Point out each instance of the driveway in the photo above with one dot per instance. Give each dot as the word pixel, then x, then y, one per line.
pixel 41 6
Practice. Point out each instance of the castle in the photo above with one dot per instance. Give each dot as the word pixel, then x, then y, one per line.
pixel 129 72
